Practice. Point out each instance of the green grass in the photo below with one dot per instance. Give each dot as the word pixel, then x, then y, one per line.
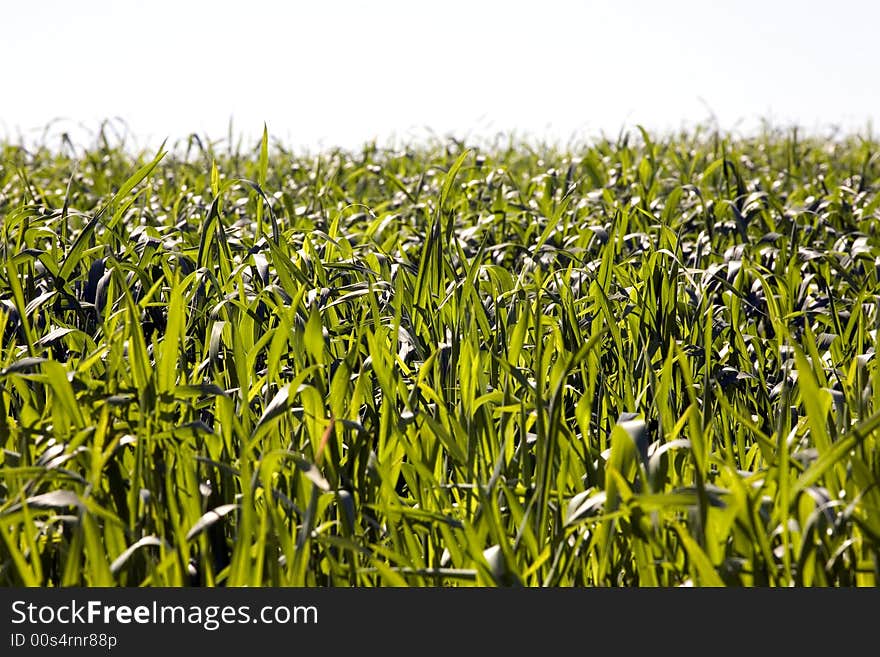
pixel 627 363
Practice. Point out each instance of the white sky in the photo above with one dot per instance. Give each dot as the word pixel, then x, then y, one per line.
pixel 338 72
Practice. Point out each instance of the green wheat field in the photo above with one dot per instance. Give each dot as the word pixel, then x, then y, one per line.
pixel 636 361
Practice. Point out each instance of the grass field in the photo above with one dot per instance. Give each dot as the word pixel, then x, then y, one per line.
pixel 625 363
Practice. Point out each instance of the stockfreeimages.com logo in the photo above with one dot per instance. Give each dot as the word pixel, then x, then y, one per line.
pixel 210 617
